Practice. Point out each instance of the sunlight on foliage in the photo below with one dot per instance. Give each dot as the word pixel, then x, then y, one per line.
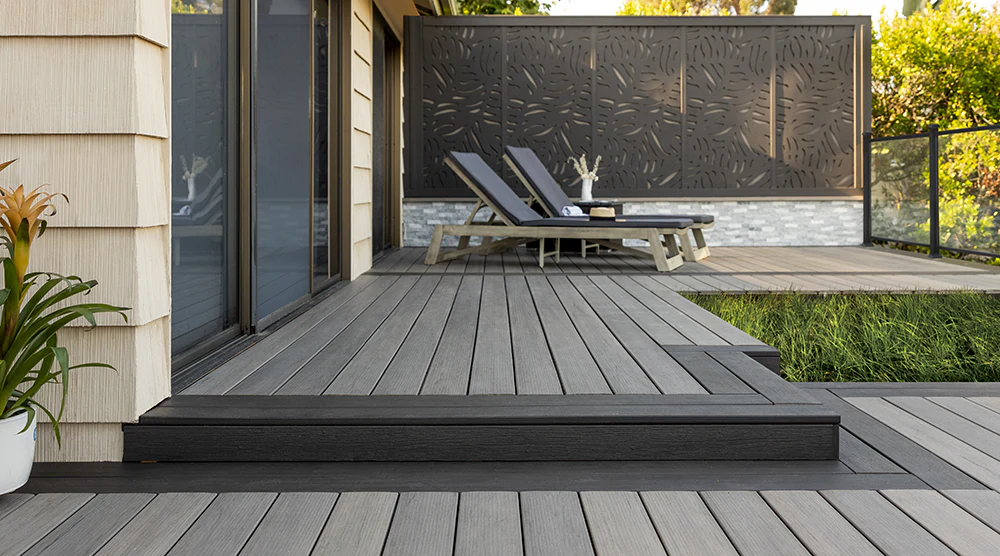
pixel 707 7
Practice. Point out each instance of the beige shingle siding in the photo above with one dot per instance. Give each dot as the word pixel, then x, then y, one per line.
pixel 361 138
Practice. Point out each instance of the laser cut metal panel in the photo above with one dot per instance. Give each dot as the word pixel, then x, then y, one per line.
pixel 677 107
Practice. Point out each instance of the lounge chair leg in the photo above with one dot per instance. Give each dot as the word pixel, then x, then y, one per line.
pixel 434 250
pixel 558 248
pixel 702 248
pixel 686 246
pixel 661 248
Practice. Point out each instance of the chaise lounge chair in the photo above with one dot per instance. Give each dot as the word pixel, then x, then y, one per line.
pixel 547 193
pixel 520 224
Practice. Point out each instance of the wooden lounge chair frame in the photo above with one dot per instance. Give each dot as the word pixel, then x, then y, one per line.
pixel 663 247
pixel 696 252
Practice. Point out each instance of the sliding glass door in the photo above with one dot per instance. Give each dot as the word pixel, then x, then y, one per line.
pixel 383 51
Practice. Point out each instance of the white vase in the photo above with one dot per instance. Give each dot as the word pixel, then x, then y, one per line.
pixel 17 451
pixel 190 196
pixel 585 193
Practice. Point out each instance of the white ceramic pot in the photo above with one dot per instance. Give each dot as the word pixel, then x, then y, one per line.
pixel 586 192
pixel 17 451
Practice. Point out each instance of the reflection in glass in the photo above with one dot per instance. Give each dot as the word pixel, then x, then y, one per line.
pixel 380 175
pixel 321 129
pixel 901 189
pixel 283 82
pixel 201 293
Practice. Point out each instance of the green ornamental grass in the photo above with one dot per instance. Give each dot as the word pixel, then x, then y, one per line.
pixel 872 337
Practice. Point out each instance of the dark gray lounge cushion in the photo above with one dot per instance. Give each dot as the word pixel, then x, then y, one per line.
pixel 553 196
pixel 506 201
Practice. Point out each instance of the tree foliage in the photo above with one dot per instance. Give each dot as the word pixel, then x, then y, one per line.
pixel 504 7
pixel 708 7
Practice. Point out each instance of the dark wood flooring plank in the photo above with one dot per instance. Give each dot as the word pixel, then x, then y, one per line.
pixel 862 458
pixel 489 524
pixel 650 294
pixel 892 531
pixel 406 372
pixel 621 371
pixel 961 428
pixel 984 504
pixel 283 365
pixel 35 519
pixel 364 371
pixel 452 362
pixel 964 533
pixel 668 376
pixel 292 525
pixel 529 262
pixel 424 525
pixel 818 525
pixel 358 525
pixel 909 455
pixel 619 524
pixel 493 264
pixel 661 332
pixel 972 411
pixel 751 525
pixel 534 369
pixel 991 403
pixel 726 331
pixel 762 379
pixel 685 525
pixel 970 460
pixel 238 368
pixel 511 264
pixel 712 375
pixel 493 361
pixel 411 256
pixel 316 375
pixel 554 525
pixel 9 502
pixel 385 263
pixel 225 526
pixel 577 369
pixel 87 530
pixel 159 525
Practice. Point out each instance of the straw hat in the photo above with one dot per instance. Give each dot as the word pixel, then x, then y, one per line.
pixel 602 212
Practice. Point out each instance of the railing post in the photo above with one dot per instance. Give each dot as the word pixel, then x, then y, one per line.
pixel 935 231
pixel 866 144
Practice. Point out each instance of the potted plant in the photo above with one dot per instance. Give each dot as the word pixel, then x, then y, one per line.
pixel 34 307
pixel 587 177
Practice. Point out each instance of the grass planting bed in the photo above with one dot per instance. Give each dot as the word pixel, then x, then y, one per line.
pixel 872 337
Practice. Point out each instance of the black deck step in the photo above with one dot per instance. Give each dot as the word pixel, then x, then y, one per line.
pixel 481 428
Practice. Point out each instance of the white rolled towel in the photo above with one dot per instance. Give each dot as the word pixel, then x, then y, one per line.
pixel 572 210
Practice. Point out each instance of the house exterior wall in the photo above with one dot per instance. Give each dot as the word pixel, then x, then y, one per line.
pixel 87 109
pixel 360 228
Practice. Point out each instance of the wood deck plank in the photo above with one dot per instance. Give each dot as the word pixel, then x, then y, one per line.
pixel 489 524
pixel 961 531
pixel 862 458
pixel 36 518
pixel 751 525
pixel 358 525
pixel 534 370
pixel 685 525
pixel 292 525
pixel 452 362
pixel 159 525
pixel 715 377
pixel 12 501
pixel 957 426
pixel 553 524
pixel 658 329
pixel 225 526
pixel 493 361
pixel 647 293
pixel 424 525
pixel 984 504
pixel 93 525
pixel 818 525
pixel 888 528
pixel 761 379
pixel 619 524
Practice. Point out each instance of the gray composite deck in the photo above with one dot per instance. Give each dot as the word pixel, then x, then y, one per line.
pixel 946 442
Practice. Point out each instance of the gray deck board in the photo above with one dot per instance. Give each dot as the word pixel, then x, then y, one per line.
pixel 884 525
pixel 406 373
pixel 621 371
pixel 972 411
pixel 818 525
pixel 225 526
pixel 452 363
pixel 961 428
pixel 761 379
pixel 292 525
pixel 668 376
pixel 316 375
pixel 651 295
pixel 424 525
pixel 984 504
pixel 578 371
pixel 711 374
pixel 358 525
pixel 947 521
pixel 87 530
pixel 685 524
pixel 35 519
pixel 553 525
pixel 10 502
pixel 159 525
pixel 365 370
pixel 534 370
pixel 619 524
pixel 489 524
pixel 862 458
pixel 658 329
pixel 493 362
pixel 751 525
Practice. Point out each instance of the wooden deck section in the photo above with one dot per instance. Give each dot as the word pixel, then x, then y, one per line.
pixel 918 474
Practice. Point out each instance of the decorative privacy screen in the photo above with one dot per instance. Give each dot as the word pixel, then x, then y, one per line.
pixel 677 107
